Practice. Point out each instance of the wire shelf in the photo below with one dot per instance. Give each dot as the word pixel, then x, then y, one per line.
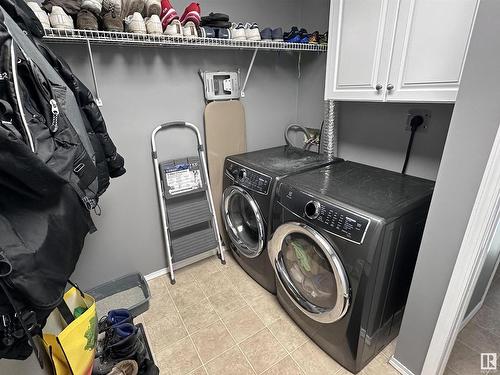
pixel 122 38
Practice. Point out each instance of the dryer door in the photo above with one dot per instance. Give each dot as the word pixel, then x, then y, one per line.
pixel 310 271
pixel 243 220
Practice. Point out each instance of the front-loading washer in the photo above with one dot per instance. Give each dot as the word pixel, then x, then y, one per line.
pixel 248 190
pixel 344 245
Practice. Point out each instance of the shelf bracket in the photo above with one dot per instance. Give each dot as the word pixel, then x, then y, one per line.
pixel 97 99
pixel 248 72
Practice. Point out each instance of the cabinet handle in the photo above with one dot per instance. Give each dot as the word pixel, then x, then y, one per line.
pixel 390 87
pixel 378 87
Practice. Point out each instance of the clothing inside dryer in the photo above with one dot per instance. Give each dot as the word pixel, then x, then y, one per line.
pixel 244 220
pixel 309 270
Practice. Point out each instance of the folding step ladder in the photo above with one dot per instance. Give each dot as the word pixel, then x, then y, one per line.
pixel 189 225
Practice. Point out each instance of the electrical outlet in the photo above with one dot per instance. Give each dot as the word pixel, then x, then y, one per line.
pixel 426 114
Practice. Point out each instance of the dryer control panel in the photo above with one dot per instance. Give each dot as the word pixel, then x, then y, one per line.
pixel 248 178
pixel 335 220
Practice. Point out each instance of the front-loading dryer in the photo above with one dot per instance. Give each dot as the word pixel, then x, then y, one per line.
pixel 248 189
pixel 344 245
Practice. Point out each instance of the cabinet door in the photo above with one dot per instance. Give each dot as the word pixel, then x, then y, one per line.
pixel 360 36
pixel 430 46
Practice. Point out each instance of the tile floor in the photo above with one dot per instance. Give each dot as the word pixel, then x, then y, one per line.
pixel 480 335
pixel 217 320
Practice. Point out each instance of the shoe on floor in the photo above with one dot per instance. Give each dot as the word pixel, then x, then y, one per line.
pixel 174 28
pixel 115 318
pixel 237 31
pixel 252 31
pixel 277 34
pixel 189 30
pixel 191 14
pixel 152 7
pixel 129 366
pixel 129 7
pixel 135 24
pixel 266 34
pixel 168 14
pixel 94 6
pixel 153 25
pixel 86 20
pixel 59 19
pixel 40 14
pixel 120 343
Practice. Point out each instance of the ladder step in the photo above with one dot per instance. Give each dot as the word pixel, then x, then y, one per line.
pixel 188 213
pixel 193 244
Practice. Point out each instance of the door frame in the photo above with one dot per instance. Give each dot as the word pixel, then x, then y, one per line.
pixel 471 258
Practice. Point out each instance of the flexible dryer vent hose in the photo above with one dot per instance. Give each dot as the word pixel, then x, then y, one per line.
pixel 329 131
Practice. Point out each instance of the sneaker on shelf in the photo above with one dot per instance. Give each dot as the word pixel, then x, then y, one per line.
pixel 127 367
pixel 86 20
pixel 94 6
pixel 152 7
pixel 323 39
pixel 314 38
pixel 111 20
pixel 112 5
pixel 189 30
pixel 129 7
pixel 40 14
pixel 237 31
pixel 266 35
pixel 222 33
pixel 121 342
pixel 214 17
pixel 174 28
pixel 135 24
pixel 59 19
pixel 191 14
pixel 252 31
pixel 206 32
pixel 277 34
pixel 153 25
pixel 168 13
pixel 304 36
pixel 293 36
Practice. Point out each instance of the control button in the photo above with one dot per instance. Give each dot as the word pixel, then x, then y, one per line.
pixel 312 209
pixel 242 173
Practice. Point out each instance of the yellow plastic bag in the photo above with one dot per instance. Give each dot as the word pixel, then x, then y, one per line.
pixel 71 347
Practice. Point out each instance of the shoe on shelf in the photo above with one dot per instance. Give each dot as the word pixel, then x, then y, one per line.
pixel 304 36
pixel 189 30
pixel 153 25
pixel 314 38
pixel 222 33
pixel 86 20
pixel 213 17
pixel 277 34
pixel 191 14
pixel 152 7
pixel 135 24
pixel 206 32
pixel 127 367
pixel 121 342
pixel 252 31
pixel 112 6
pixel 293 36
pixel 59 19
pixel 237 31
pixel 129 7
pixel 323 39
pixel 174 28
pixel 168 13
pixel 40 14
pixel 95 6
pixel 266 35
pixel 112 21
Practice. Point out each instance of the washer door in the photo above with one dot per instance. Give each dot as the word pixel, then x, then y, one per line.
pixel 243 221
pixel 310 271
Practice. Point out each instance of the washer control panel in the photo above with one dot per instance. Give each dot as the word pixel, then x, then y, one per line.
pixel 248 178
pixel 326 216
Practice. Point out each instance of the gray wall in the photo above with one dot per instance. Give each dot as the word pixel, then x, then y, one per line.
pixel 473 128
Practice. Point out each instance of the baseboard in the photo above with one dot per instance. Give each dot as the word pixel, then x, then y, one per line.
pixel 471 315
pixel 400 367
pixel 155 274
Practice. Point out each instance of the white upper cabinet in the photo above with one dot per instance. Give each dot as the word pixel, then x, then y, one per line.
pixel 397 50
